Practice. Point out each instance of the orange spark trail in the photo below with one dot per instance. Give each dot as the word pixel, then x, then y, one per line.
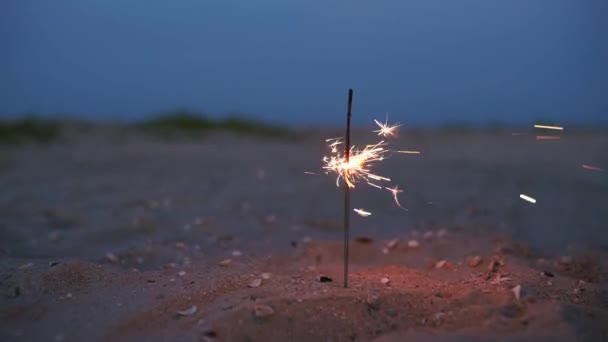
pixel 590 167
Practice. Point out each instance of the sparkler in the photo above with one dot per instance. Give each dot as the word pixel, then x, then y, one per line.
pixel 347 188
pixel 355 165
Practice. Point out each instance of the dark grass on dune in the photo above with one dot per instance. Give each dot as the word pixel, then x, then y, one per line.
pixel 185 123
pixel 30 128
pixel 172 125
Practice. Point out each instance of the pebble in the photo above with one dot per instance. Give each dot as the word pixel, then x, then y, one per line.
pixel 225 262
pixel 112 257
pixel 428 235
pixel 265 275
pixel 565 260
pixel 255 282
pixel 364 239
pixel 188 312
pixel 392 244
pixel 262 311
pixel 181 273
pixel 474 261
pixel 237 253
pixel 547 274
pixel 385 281
pixel 325 279
pixel 442 232
pixel 440 263
pixel 517 291
pixel 373 301
pixel 413 244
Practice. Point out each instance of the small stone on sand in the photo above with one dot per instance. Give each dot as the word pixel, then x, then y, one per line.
pixel 225 262
pixel 474 261
pixel 112 257
pixel 440 263
pixel 392 244
pixel 262 311
pixel 517 291
pixel 325 279
pixel 413 244
pixel 385 281
pixel 236 253
pixel 265 275
pixel 188 312
pixel 255 282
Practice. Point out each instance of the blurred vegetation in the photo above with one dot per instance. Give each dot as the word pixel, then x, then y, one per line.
pixel 183 122
pixel 28 129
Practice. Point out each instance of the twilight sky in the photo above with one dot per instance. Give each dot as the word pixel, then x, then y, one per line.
pixel 292 61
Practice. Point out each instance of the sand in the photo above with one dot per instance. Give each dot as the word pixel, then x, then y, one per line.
pixel 118 236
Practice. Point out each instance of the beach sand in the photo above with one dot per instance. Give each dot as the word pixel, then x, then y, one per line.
pixel 120 236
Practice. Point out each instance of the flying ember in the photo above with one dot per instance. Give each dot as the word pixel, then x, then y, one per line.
pixel 556 128
pixel 362 212
pixel 527 198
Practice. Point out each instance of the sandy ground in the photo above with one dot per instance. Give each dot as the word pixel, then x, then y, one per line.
pixel 108 236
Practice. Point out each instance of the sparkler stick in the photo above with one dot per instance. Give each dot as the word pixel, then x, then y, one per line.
pixel 347 188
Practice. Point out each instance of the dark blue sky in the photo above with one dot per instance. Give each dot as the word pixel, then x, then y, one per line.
pixel 421 61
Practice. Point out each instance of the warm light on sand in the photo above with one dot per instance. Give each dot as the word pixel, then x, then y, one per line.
pixel 556 128
pixel 527 198
pixel 547 137
pixel 362 212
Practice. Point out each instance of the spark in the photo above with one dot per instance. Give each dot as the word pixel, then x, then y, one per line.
pixel 557 128
pixel 359 164
pixel 359 167
pixel 547 137
pixel 527 198
pixel 386 130
pixel 362 212
pixel 395 191
pixel 591 167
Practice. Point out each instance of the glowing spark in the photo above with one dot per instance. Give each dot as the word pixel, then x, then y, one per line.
pixel 386 130
pixel 590 167
pixel 557 128
pixel 396 191
pixel 409 152
pixel 359 164
pixel 547 137
pixel 527 198
pixel 310 173
pixel 362 212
